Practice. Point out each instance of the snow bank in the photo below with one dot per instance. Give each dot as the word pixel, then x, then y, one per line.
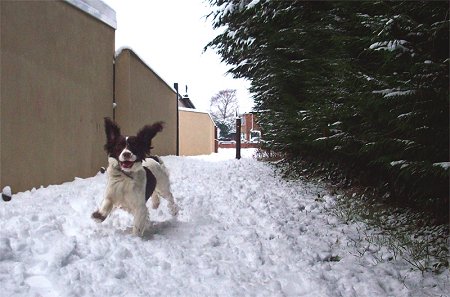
pixel 242 231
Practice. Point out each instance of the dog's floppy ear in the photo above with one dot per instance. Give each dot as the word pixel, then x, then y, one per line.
pixel 112 132
pixel 146 134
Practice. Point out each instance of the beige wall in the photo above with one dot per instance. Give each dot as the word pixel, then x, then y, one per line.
pixel 143 98
pixel 196 133
pixel 56 87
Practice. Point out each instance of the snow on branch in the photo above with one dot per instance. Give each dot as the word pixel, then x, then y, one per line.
pixel 392 45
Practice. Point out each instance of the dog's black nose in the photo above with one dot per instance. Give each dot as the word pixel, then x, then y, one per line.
pixel 126 155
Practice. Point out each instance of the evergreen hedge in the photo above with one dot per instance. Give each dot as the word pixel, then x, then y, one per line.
pixel 363 84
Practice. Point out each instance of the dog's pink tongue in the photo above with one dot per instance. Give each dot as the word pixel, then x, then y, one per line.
pixel 127 164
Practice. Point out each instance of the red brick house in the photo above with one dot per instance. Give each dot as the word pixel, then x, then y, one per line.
pixel 250 130
pixel 250 133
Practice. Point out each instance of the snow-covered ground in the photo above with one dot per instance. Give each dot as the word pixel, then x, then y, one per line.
pixel 242 231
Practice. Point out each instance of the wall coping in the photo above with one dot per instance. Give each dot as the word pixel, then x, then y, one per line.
pixel 97 9
pixel 197 111
pixel 192 110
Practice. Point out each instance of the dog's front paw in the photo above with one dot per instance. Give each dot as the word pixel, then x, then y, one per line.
pixel 98 217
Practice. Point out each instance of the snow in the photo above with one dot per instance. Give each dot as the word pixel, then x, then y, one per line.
pixel 241 231
pixel 229 8
pixel 403 163
pixel 399 93
pixel 252 4
pixel 337 135
pixel 405 115
pixel 195 111
pixel 393 92
pixel 7 191
pixel 338 123
pixel 96 9
pixel 391 45
pixel 444 165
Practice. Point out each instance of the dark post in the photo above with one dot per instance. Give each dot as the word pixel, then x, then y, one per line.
pixel 175 85
pixel 238 137
pixel 216 140
pixel 114 104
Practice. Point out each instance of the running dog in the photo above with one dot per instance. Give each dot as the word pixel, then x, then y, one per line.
pixel 133 178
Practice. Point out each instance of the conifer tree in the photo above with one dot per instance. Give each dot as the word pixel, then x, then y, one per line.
pixel 360 83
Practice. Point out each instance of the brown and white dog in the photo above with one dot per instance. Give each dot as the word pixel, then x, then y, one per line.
pixel 133 178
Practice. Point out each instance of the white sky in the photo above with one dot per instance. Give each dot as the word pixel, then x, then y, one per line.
pixel 169 35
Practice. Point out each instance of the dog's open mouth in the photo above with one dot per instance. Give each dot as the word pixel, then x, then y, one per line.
pixel 126 164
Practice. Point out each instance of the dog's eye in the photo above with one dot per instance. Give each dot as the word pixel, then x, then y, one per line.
pixel 119 146
pixel 131 140
pixel 133 144
pixel 117 150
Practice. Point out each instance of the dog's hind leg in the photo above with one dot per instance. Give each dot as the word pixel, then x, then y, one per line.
pixel 155 200
pixel 173 207
pixel 167 194
pixel 140 220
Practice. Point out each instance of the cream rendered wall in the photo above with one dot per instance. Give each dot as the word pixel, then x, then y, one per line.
pixel 56 86
pixel 143 98
pixel 197 131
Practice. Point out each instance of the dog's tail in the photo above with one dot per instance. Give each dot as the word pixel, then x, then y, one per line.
pixel 154 162
pixel 147 133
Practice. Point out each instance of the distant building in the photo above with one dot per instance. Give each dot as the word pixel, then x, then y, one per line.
pixel 184 101
pixel 250 130
pixel 250 133
pixel 197 130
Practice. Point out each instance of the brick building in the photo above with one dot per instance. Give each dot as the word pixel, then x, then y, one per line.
pixel 250 130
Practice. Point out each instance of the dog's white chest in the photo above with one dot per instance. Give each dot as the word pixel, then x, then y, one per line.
pixel 127 191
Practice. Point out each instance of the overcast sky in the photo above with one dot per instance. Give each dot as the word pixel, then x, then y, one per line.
pixel 169 35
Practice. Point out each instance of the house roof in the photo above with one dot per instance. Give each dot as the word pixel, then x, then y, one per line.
pixel 186 102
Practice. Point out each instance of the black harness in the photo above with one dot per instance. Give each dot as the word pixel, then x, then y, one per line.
pixel 150 185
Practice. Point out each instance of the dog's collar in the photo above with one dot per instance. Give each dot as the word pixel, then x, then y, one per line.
pixel 126 173
pixel 118 168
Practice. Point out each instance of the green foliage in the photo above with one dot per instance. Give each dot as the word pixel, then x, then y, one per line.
pixel 361 83
pixel 224 128
pixel 405 234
